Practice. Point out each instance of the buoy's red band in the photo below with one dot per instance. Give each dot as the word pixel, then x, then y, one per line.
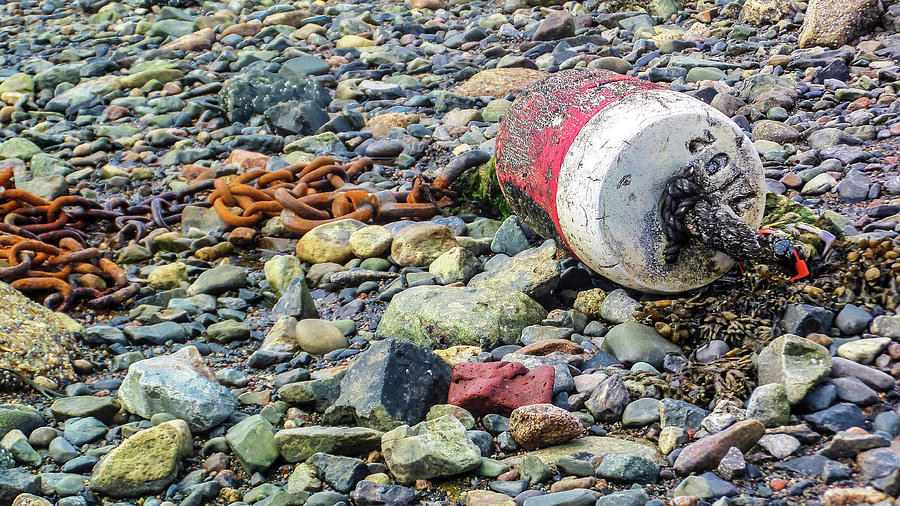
pixel 539 129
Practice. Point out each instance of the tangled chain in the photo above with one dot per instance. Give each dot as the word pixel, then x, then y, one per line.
pixel 311 194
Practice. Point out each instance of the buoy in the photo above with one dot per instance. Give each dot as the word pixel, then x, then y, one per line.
pixel 585 156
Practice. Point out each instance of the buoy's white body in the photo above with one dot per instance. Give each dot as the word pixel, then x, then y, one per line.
pixel 601 149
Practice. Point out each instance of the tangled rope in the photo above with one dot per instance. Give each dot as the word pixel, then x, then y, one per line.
pixel 307 195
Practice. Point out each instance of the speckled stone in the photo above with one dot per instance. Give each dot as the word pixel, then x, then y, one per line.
pixel 543 425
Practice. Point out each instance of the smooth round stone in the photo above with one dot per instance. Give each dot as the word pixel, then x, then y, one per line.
pixel 375 264
pixel 368 286
pixel 80 465
pixel 84 430
pixel 62 451
pixel 641 412
pixel 319 336
pixel 644 367
pixel 232 378
pixel 863 351
pixel 42 436
pixel 852 320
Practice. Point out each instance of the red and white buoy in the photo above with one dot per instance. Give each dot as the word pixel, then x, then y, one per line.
pixel 584 155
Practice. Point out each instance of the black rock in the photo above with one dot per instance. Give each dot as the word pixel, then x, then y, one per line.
pixel 260 359
pixel 804 319
pixel 600 360
pixel 296 118
pixel 495 424
pixel 483 440
pixel 837 418
pixel 811 465
pixel 391 383
pixel 16 481
pixel 820 398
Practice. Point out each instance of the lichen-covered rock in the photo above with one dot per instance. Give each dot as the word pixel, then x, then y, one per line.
pixel 280 270
pixel 483 317
pixel 542 425
pixel 500 82
pixel 434 449
pixel 534 272
pixel 250 93
pixel 298 444
pixel 145 463
pixel 421 243
pixel 329 242
pixel 758 12
pixel 833 24
pixel 796 363
pixel 36 340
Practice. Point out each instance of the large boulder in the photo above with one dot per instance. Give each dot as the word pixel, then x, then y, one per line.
pixel 179 384
pixel 428 315
pixel 434 449
pixel 254 92
pixel 833 24
pixel 534 272
pixel 796 363
pixel 36 340
pixel 391 383
pixel 145 463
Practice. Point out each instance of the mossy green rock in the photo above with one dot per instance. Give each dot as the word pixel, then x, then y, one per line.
pixel 434 449
pixel 141 78
pixel 299 444
pixel 79 406
pixel 21 83
pixel 428 315
pixel 593 446
pixel 252 441
pixel 421 243
pixel 19 416
pixel 18 147
pixel 281 270
pixel 796 363
pixel 146 463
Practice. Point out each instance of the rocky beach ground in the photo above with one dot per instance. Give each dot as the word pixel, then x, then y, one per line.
pixel 210 348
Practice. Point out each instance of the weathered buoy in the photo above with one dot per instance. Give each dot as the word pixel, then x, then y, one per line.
pixel 585 156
